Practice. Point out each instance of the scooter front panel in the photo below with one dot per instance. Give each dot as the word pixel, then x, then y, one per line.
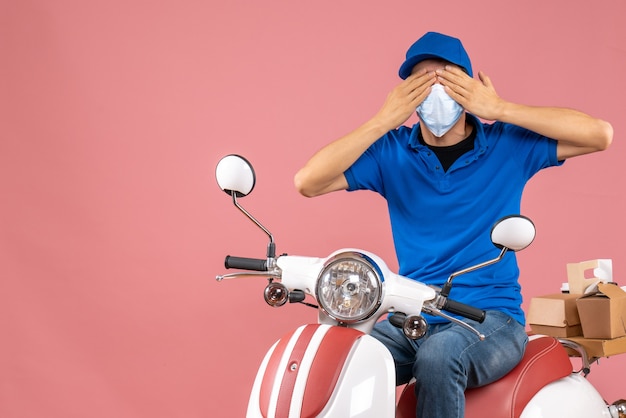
pixel 284 365
pixel 367 385
pixel 299 375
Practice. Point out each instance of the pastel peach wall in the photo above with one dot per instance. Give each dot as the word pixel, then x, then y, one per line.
pixel 112 118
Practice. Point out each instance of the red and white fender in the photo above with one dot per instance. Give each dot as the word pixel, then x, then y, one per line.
pixel 325 371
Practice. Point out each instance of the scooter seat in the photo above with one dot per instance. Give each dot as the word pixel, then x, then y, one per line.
pixel 544 361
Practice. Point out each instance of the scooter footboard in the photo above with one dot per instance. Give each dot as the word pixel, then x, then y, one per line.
pixel 324 371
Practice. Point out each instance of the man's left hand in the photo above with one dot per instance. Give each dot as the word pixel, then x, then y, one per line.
pixel 478 97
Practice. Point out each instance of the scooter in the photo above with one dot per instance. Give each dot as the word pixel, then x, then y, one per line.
pixel 333 368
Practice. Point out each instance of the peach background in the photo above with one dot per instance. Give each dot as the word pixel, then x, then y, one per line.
pixel 112 118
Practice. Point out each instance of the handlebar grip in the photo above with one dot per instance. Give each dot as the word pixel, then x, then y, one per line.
pixel 397 319
pixel 245 263
pixel 464 310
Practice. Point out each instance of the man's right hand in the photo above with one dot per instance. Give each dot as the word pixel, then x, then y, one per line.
pixel 323 173
pixel 404 99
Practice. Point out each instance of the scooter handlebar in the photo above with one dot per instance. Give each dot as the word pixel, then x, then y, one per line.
pixel 245 263
pixel 464 310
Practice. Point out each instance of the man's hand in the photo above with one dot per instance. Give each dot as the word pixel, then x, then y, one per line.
pixel 323 173
pixel 403 100
pixel 478 97
pixel 576 133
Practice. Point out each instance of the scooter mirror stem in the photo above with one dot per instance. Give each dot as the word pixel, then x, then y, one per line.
pixel 271 250
pixel 445 290
pixel 271 247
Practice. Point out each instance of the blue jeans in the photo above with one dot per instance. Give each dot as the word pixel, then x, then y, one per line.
pixel 449 359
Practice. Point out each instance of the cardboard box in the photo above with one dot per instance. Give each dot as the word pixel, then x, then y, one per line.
pixel 603 314
pixel 600 348
pixel 581 276
pixel 555 315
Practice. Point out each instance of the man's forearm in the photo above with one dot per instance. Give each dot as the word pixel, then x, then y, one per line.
pixel 576 132
pixel 323 173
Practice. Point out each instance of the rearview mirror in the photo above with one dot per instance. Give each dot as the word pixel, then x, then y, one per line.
pixel 511 233
pixel 514 232
pixel 235 174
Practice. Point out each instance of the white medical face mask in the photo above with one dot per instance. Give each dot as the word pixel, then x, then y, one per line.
pixel 439 112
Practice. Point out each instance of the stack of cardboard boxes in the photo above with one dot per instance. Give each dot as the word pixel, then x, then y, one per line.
pixel 592 314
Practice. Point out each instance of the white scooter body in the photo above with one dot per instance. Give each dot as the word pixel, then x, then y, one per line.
pixel 365 373
pixel 362 388
pixel 288 381
pixel 572 397
pixel 366 385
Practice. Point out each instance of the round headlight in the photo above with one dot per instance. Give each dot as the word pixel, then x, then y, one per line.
pixel 349 287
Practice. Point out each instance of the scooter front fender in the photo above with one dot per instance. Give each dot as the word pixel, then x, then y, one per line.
pixel 324 371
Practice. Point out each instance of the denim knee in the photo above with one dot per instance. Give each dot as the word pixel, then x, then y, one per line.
pixel 437 361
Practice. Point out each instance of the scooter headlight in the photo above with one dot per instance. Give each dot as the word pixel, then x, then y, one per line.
pixel 349 287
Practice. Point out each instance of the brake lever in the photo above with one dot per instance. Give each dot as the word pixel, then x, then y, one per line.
pixel 266 274
pixel 432 310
